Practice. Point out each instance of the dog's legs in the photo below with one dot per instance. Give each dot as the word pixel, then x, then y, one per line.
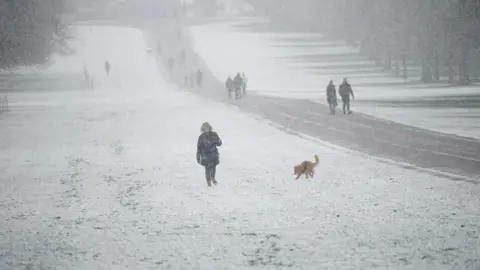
pixel 298 176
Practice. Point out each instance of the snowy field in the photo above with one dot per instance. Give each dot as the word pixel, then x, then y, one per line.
pixel 107 179
pixel 300 65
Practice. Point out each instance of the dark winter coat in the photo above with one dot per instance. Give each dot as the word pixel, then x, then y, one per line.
pixel 345 90
pixel 207 152
pixel 331 94
pixel 238 81
pixel 229 84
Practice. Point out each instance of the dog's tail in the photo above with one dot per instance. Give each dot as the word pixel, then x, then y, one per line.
pixel 317 160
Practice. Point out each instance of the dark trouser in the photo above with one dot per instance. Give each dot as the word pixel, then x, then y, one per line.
pixel 238 92
pixel 229 93
pixel 346 105
pixel 332 108
pixel 210 171
pixel 244 88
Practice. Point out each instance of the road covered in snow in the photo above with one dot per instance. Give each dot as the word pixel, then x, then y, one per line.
pixel 107 179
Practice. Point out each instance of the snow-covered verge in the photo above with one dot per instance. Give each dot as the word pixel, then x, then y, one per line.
pixel 107 179
pixel 300 65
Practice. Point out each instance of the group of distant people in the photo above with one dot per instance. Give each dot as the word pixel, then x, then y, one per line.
pixel 345 91
pixel 194 79
pixel 89 78
pixel 237 85
pixel 190 79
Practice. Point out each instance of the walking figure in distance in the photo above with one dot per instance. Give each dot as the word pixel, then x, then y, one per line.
pixel 331 97
pixel 199 78
pixel 345 91
pixel 229 86
pixel 244 85
pixel 107 67
pixel 207 152
pixel 238 84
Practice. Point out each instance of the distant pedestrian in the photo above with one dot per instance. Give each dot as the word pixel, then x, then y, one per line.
pixel 207 152
pixel 199 78
pixel 107 67
pixel 345 91
pixel 238 84
pixel 182 58
pixel 331 97
pixel 229 86
pixel 244 85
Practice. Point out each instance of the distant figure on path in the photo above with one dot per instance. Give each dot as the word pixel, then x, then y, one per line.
pixel 107 67
pixel 229 86
pixel 238 84
pixel 345 91
pixel 199 78
pixel 244 85
pixel 182 58
pixel 331 97
pixel 207 152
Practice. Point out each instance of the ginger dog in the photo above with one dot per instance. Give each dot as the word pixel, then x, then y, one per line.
pixel 306 167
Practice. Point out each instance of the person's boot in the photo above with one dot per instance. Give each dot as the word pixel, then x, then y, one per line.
pixel 214 182
pixel 209 182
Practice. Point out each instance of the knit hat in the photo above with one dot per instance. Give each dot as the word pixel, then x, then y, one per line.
pixel 206 127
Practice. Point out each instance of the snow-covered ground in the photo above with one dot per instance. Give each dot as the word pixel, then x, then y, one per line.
pixel 300 65
pixel 107 179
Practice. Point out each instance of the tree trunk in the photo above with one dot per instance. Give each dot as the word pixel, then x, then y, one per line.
pixel 463 66
pixel 463 72
pixel 387 63
pixel 397 66
pixel 436 67
pixel 451 71
pixel 426 71
pixel 404 64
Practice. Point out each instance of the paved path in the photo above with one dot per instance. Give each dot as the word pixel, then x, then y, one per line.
pixel 382 138
pixel 426 149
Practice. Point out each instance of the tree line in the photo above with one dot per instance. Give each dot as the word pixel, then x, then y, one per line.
pixel 31 31
pixel 442 37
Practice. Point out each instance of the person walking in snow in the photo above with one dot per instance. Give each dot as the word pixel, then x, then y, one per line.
pixel 345 91
pixel 238 83
pixel 207 152
pixel 331 97
pixel 182 58
pixel 107 67
pixel 199 78
pixel 244 85
pixel 229 86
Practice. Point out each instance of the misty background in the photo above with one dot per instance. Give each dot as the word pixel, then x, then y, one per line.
pixel 439 37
